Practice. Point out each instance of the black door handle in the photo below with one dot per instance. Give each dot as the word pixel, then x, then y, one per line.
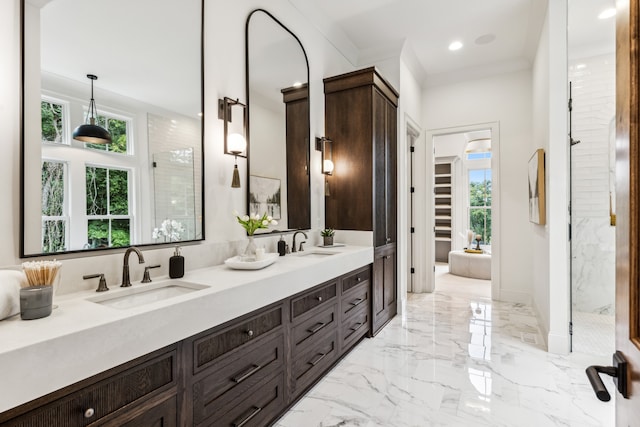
pixel 619 373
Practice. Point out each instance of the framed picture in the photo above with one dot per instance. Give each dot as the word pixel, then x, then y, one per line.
pixel 265 196
pixel 537 213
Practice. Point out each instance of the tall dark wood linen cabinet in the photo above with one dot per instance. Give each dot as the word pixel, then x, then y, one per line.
pixel 361 120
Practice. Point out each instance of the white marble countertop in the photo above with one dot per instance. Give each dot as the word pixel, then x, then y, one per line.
pixel 82 338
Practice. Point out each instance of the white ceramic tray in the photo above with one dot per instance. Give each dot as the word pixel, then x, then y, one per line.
pixel 335 245
pixel 239 263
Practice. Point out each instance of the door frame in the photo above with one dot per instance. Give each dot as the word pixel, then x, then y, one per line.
pixel 425 213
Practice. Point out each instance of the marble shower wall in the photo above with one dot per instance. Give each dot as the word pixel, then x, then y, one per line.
pixel 593 243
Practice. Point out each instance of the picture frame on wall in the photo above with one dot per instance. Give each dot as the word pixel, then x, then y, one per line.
pixel 265 196
pixel 537 212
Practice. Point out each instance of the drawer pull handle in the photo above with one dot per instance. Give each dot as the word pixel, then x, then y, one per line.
pixel 89 413
pixel 319 299
pixel 359 279
pixel 245 419
pixel 357 326
pixel 246 374
pixel 357 302
pixel 320 357
pixel 250 333
pixel 317 327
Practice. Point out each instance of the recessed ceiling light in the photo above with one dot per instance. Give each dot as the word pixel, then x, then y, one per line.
pixel 455 45
pixel 485 39
pixel 607 13
pixel 581 66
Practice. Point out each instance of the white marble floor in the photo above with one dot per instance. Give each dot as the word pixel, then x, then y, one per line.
pixel 455 358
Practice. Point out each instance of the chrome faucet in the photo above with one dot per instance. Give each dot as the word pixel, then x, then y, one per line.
pixel 293 249
pixel 126 281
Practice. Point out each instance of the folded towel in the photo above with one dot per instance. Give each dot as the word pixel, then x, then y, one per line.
pixel 10 283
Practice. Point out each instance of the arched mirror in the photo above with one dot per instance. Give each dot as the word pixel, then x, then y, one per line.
pixel 146 185
pixel 278 128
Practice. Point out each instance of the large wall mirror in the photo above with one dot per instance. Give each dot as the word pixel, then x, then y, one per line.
pixel 146 186
pixel 278 137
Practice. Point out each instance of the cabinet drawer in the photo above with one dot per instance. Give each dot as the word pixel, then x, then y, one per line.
pixel 356 278
pixel 306 332
pixel 239 376
pixel 355 299
pixel 253 409
pixel 309 365
pixel 209 348
pixel 313 299
pixel 95 401
pixel 354 328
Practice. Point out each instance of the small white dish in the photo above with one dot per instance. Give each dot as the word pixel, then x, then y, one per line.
pixel 240 262
pixel 335 245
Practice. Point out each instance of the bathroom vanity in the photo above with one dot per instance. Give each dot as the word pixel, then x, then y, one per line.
pixel 239 351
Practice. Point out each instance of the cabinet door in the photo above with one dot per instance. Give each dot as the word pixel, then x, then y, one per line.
pixel 163 414
pixel 384 286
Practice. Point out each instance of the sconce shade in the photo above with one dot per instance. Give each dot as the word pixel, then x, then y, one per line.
pixel 236 143
pixel 91 132
pixel 327 166
pixel 479 145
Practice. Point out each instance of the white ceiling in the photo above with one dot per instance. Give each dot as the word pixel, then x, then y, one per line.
pixel 369 30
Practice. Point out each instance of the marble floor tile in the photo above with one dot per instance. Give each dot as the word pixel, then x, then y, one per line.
pixel 456 358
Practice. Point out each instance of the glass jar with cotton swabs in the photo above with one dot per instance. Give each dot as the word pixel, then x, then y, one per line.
pixel 36 298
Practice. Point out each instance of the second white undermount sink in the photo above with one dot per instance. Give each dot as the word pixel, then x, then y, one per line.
pixel 316 253
pixel 138 295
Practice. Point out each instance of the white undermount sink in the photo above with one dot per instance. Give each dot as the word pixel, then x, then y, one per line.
pixel 138 294
pixel 316 253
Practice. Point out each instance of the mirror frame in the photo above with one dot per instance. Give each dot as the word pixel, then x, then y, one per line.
pixel 248 123
pixel 22 151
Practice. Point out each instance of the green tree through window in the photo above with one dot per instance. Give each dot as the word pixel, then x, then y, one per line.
pixel 107 207
pixel 480 203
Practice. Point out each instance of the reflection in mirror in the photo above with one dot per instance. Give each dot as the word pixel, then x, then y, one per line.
pixel 146 186
pixel 278 98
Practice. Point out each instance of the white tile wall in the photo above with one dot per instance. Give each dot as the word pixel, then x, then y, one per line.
pixel 593 245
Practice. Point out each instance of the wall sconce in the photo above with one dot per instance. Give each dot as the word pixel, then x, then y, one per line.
pixel 91 132
pixel 235 141
pixel 324 145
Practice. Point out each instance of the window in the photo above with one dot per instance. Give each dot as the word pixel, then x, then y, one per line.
pixel 478 156
pixel 109 222
pixel 53 116
pixel 54 219
pixel 119 129
pixel 480 203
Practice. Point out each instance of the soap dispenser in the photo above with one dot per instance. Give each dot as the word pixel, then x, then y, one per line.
pixel 282 246
pixel 176 264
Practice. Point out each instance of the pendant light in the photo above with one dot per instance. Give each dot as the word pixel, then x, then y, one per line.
pixel 236 145
pixel 91 132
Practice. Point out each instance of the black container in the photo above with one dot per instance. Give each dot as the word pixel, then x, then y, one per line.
pixel 282 246
pixel 176 265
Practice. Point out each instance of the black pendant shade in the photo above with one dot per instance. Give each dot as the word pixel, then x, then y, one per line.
pixel 90 132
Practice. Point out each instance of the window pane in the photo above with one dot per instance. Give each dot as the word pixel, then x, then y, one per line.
pixel 118 130
pixel 480 187
pixel 52 189
pixel 53 236
pixel 120 233
pixel 480 223
pixel 52 122
pixel 96 179
pixel 98 233
pixel 118 192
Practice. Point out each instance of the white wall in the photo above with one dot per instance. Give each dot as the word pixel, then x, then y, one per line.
pixel 505 99
pixel 224 76
pixel 550 242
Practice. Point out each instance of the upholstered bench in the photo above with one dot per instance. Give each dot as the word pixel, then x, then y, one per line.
pixel 477 266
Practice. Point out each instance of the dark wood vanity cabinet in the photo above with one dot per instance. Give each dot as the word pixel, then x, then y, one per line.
pixel 245 372
pixel 140 392
pixel 361 120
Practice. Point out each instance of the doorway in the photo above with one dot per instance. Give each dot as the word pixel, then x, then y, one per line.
pixel 447 207
pixel 592 77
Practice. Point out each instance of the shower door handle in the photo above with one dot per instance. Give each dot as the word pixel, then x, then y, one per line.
pixel 619 373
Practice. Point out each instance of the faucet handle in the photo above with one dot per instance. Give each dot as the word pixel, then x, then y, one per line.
pixel 301 248
pixel 102 284
pixel 146 278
